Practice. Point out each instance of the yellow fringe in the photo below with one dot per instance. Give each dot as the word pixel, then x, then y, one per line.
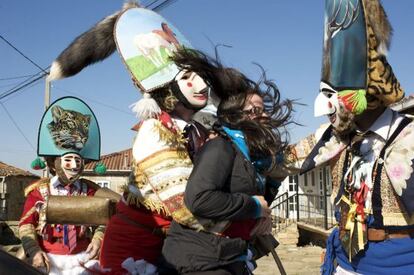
pixel 176 139
pixel 39 183
pixel 147 203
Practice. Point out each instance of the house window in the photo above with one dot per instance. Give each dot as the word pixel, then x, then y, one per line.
pixel 104 183
pixel 313 178
pixel 292 203
pixel 305 176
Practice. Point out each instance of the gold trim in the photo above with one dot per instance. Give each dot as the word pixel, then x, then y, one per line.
pixel 162 155
pixel 40 183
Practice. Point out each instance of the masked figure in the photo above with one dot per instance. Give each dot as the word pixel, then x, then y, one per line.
pixel 157 56
pixel 230 183
pixel 369 145
pixel 68 135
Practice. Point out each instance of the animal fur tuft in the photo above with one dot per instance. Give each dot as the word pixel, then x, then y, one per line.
pixel 378 20
pixel 92 46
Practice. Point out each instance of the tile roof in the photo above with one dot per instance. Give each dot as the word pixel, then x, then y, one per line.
pixel 8 170
pixel 118 161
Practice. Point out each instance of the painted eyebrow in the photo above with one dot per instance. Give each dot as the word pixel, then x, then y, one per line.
pixel 326 90
pixel 187 73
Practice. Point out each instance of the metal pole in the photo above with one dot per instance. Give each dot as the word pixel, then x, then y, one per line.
pixel 297 200
pixel 287 205
pixel 47 93
pixel 325 201
pixel 265 242
pixel 47 104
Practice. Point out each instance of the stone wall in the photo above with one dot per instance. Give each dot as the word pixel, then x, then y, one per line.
pixel 15 196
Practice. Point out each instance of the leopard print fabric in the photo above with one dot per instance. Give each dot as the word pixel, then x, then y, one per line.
pixel 69 129
pixel 383 86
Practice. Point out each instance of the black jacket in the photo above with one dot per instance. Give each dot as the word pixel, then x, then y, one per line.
pixel 220 187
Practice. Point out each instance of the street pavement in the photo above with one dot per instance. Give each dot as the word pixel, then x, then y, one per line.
pixel 296 261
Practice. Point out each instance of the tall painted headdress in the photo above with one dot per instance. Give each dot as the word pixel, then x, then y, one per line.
pixel 355 71
pixel 144 40
pixel 357 37
pixel 69 126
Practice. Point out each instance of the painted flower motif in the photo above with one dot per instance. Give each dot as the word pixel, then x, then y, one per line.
pixel 331 149
pixel 398 160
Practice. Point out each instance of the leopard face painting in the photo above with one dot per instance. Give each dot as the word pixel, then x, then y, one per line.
pixel 69 129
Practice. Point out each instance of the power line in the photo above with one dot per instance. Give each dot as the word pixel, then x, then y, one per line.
pixel 23 89
pixel 93 100
pixel 150 4
pixel 22 85
pixel 164 4
pixel 17 126
pixel 22 54
pixel 16 77
pixel 19 87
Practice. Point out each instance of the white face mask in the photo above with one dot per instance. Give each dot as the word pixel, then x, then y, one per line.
pixel 193 88
pixel 72 166
pixel 326 103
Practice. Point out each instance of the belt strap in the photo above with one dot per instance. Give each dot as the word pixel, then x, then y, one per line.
pixel 376 194
pixel 379 235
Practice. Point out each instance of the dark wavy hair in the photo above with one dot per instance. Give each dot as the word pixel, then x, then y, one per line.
pixel 265 136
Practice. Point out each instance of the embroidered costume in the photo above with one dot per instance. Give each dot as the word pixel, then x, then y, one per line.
pixel 372 166
pixel 68 133
pixel 165 143
pixel 162 154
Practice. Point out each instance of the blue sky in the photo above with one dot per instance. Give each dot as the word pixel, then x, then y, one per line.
pixel 284 37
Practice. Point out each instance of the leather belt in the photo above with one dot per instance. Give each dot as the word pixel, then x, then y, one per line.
pixel 379 235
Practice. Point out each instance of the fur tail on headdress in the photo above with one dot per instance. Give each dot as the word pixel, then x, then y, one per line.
pixel 92 46
pixel 380 24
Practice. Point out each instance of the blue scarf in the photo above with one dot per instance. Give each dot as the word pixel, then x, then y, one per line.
pixel 238 138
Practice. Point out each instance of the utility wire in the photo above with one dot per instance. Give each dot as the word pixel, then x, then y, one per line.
pixel 93 100
pixel 23 84
pixel 22 54
pixel 18 88
pixel 150 4
pixel 23 89
pixel 164 4
pixel 17 77
pixel 17 126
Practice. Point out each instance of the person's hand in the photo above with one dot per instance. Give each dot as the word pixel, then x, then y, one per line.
pixel 265 210
pixel 263 227
pixel 212 135
pixel 41 261
pixel 93 249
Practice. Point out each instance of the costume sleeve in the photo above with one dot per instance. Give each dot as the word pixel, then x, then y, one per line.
pixel 99 233
pixel 204 195
pixel 28 223
pixel 162 167
pixel 152 137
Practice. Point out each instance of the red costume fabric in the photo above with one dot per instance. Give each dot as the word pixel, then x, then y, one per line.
pixel 240 229
pixel 130 240
pixel 51 239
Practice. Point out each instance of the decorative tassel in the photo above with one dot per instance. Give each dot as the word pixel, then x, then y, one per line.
pixel 176 138
pixel 100 168
pixel 38 164
pixel 354 100
pixel 146 107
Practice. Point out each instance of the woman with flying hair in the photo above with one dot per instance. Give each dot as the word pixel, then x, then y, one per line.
pixel 230 181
